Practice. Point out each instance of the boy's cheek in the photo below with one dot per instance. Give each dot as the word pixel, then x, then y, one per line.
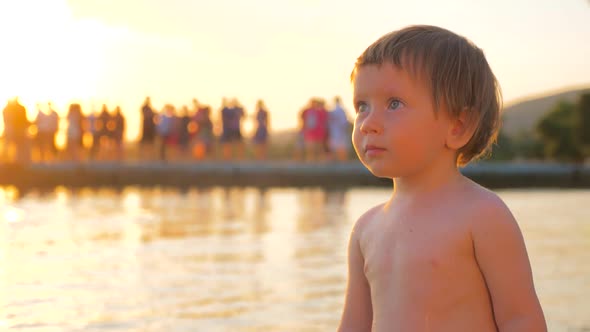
pixel 357 141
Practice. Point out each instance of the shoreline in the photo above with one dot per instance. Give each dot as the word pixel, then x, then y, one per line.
pixel 271 174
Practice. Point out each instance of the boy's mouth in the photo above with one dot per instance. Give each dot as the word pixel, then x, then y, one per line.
pixel 372 150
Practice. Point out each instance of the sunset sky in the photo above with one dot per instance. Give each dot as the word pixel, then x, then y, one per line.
pixel 283 51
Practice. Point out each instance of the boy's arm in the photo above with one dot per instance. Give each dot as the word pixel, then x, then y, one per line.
pixel 501 254
pixel 358 310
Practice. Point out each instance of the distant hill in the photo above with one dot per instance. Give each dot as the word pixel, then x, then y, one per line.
pixel 524 114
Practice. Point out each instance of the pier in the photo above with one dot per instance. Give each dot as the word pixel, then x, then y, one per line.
pixel 271 174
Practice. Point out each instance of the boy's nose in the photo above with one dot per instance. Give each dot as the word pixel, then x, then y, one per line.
pixel 372 124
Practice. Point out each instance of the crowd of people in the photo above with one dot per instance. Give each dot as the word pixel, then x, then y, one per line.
pixel 93 136
pixel 323 134
pixel 171 134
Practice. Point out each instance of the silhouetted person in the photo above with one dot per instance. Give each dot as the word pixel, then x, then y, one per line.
pixel 204 136
pixel 119 133
pixel 103 132
pixel 231 137
pixel 184 122
pixel 315 122
pixel 299 144
pixel 75 133
pixel 16 128
pixel 92 127
pixel 54 127
pixel 339 136
pixel 166 128
pixel 148 130
pixel 47 124
pixel 260 138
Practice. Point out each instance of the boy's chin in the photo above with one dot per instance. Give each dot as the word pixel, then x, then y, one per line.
pixel 381 172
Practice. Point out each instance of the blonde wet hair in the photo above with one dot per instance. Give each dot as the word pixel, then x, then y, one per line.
pixel 457 73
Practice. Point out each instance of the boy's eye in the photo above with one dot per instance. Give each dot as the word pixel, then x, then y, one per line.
pixel 362 107
pixel 395 104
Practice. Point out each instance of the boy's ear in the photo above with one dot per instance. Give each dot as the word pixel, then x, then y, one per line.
pixel 461 130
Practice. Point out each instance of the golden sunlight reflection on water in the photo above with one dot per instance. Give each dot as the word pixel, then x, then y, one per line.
pixel 231 259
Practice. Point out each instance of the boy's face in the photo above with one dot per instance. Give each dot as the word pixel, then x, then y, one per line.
pixel 396 132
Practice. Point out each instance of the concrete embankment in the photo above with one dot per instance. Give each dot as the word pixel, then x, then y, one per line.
pixel 271 174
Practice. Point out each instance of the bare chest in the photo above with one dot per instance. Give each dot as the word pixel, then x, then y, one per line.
pixel 416 258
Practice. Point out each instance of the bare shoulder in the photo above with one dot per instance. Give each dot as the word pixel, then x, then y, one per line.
pixel 366 219
pixel 488 211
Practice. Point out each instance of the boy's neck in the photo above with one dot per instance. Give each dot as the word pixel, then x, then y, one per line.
pixel 433 180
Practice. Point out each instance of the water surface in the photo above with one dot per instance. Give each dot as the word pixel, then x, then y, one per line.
pixel 237 259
